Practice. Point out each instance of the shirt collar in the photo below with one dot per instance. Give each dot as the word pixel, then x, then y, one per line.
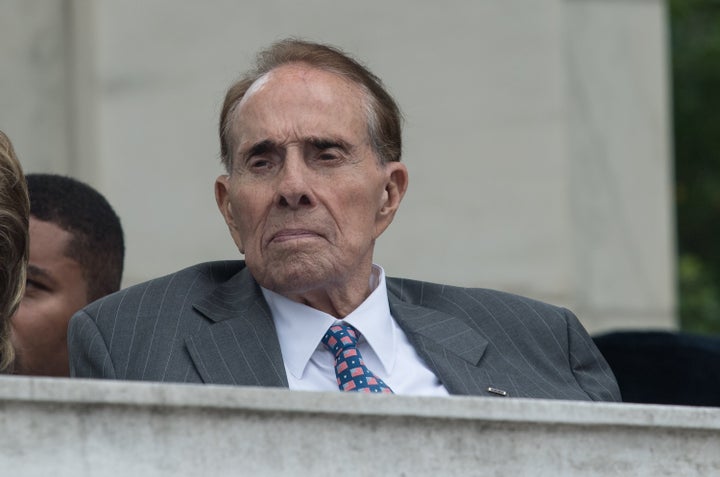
pixel 300 327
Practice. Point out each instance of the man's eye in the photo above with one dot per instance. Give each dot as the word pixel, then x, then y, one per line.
pixel 32 285
pixel 328 156
pixel 260 164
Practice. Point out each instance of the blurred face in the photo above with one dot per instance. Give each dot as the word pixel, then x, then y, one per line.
pixel 307 197
pixel 55 290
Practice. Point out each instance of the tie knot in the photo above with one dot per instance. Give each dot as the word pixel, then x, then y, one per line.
pixel 350 369
pixel 340 337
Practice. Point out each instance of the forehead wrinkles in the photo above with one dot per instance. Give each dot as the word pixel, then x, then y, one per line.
pixel 316 83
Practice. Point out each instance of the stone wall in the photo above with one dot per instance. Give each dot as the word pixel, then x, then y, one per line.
pixel 60 427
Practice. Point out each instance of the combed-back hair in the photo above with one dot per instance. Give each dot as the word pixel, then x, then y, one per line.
pixel 14 243
pixel 383 115
pixel 97 243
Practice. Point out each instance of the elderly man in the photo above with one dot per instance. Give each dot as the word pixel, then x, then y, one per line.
pixel 311 143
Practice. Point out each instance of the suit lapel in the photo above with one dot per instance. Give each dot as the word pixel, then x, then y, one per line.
pixel 451 348
pixel 239 345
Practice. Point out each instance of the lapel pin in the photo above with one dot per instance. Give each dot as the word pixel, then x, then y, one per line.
pixel 497 391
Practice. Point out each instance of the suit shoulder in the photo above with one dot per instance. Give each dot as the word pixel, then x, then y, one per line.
pixel 196 278
pixel 442 297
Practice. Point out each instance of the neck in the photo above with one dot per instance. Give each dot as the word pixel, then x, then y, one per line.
pixel 338 301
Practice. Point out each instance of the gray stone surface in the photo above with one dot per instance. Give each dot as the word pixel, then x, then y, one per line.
pixel 100 428
pixel 620 168
pixel 35 104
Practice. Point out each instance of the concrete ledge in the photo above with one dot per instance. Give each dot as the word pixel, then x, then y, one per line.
pixel 105 428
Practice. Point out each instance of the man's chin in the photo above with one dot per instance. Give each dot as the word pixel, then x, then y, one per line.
pixel 293 275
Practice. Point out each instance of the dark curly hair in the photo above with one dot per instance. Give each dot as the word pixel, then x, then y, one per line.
pixel 97 243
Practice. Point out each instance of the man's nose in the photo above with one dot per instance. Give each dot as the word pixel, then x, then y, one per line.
pixel 293 188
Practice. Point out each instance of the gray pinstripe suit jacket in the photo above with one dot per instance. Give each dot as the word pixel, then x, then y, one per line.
pixel 210 324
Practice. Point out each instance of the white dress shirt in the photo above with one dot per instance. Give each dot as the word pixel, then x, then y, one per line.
pixel 384 347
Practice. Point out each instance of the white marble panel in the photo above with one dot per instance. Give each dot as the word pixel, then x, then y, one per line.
pixel 620 165
pixel 34 83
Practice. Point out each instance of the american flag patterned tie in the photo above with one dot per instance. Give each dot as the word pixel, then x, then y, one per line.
pixel 350 369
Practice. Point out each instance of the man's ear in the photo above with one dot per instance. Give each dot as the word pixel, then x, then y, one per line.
pixel 395 187
pixel 222 198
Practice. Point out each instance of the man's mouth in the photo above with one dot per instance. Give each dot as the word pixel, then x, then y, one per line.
pixel 293 234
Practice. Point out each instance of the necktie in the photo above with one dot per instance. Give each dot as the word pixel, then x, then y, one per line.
pixel 350 369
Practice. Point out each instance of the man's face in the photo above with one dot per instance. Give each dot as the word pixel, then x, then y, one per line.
pixel 307 196
pixel 55 290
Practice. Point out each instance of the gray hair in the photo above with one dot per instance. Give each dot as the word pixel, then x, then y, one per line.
pixel 383 114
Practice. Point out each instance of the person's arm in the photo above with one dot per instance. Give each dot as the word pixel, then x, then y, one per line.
pixel 87 350
pixel 590 369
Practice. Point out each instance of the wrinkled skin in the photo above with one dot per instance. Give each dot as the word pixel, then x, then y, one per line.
pixel 306 196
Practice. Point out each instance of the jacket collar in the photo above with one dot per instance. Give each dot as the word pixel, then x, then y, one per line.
pixel 445 330
pixel 240 345
pixel 450 347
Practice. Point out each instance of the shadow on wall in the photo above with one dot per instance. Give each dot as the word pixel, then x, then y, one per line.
pixel 658 367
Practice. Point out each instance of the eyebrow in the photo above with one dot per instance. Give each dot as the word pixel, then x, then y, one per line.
pixel 325 143
pixel 317 142
pixel 260 148
pixel 33 271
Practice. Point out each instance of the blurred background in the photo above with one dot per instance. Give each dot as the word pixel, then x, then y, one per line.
pixel 561 149
pixel 695 48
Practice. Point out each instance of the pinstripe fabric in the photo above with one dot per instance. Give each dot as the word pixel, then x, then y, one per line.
pixel 202 324
pixel 209 323
pixel 475 339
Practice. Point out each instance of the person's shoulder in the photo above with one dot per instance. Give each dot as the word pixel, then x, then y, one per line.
pixel 435 295
pixel 197 279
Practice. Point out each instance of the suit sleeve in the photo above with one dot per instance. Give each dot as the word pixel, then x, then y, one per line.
pixel 88 352
pixel 588 365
